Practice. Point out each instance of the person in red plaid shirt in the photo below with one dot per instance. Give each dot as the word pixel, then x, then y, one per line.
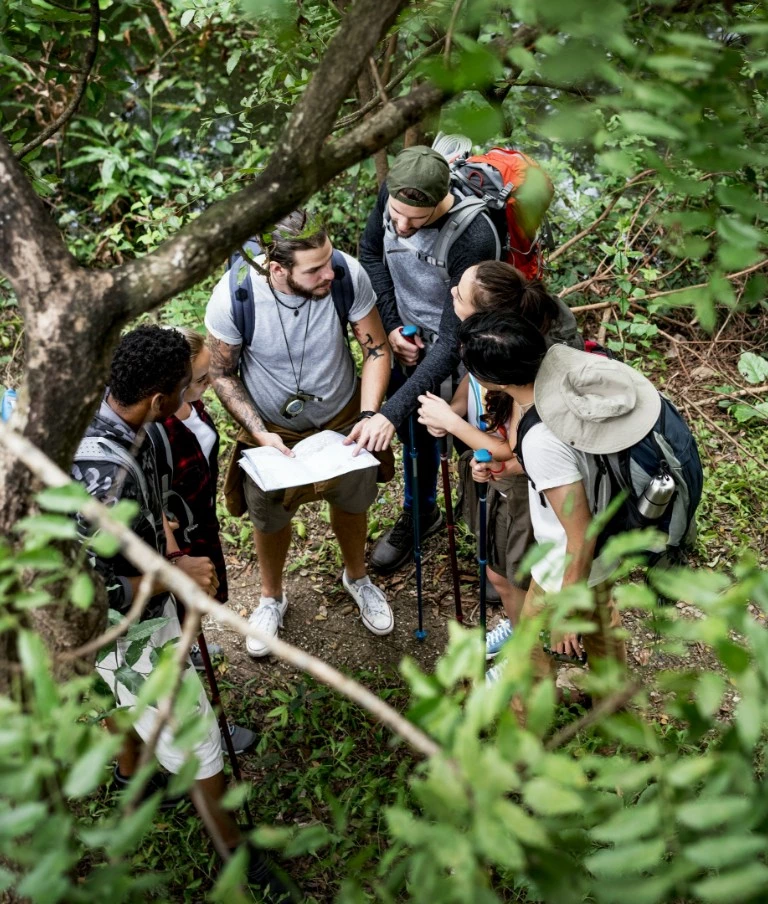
pixel 191 501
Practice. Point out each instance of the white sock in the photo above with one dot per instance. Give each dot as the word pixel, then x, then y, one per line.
pixel 359 582
pixel 271 599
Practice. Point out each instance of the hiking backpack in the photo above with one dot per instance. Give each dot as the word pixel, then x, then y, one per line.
pixel 669 444
pixel 506 185
pixel 241 289
pixel 101 448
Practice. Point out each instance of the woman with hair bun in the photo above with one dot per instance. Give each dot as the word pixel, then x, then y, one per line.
pixel 495 286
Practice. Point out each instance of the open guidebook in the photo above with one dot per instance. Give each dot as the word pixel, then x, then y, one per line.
pixel 317 458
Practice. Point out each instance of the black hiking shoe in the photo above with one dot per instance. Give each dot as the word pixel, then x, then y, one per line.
pixel 158 782
pixel 263 876
pixel 395 548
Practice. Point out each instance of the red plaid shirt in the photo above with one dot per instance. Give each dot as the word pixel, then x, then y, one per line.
pixel 194 480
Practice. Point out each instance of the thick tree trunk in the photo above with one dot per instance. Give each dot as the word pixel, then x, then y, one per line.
pixel 68 346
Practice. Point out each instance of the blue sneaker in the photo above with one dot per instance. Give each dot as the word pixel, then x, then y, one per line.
pixel 495 640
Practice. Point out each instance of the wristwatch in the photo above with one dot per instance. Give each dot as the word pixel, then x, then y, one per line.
pixel 365 414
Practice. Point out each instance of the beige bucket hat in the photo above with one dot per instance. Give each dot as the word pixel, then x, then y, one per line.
pixel 593 403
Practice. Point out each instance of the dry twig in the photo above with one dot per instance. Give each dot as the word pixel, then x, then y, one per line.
pixel 603 708
pixel 80 86
pixel 132 615
pixel 558 252
pixel 392 83
pixel 165 706
pixel 451 27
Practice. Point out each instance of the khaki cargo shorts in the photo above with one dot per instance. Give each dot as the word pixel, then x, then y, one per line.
pixel 353 493
pixel 510 533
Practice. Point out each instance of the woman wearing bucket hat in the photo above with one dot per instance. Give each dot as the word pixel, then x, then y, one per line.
pixel 588 406
pixel 496 286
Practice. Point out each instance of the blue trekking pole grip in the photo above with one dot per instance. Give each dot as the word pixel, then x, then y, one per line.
pixel 420 634
pixel 484 457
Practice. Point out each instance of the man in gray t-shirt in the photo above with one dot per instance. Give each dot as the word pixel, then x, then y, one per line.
pixel 293 377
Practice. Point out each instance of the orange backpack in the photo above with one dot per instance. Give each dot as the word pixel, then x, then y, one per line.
pixel 514 191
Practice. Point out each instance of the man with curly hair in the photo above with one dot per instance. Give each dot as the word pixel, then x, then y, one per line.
pixel 117 460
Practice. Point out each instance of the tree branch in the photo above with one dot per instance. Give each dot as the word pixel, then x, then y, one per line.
pixel 165 705
pixel 451 26
pixel 109 636
pixel 377 80
pixel 599 305
pixel 188 257
pixel 48 64
pixel 393 83
pixel 595 223
pixel 500 93
pixel 184 588
pixel 312 118
pixel 80 85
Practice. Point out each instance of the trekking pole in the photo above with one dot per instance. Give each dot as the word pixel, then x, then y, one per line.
pixel 221 717
pixel 485 457
pixel 451 527
pixel 419 633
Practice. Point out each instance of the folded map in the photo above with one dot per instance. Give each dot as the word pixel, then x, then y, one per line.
pixel 316 458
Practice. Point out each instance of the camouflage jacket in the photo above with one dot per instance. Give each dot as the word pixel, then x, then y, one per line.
pixel 110 482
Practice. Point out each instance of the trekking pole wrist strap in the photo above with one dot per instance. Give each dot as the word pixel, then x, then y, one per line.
pixel 365 414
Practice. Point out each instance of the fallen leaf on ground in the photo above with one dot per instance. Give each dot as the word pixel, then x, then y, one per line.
pixel 642 656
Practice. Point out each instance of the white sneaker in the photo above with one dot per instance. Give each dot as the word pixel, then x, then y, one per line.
pixel 375 611
pixel 494 674
pixel 495 640
pixel 267 617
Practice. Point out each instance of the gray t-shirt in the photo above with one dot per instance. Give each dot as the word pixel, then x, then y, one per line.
pixel 272 363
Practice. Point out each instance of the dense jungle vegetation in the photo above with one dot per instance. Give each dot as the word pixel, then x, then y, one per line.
pixel 141 142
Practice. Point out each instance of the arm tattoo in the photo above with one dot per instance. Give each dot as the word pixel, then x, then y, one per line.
pixel 371 350
pixel 229 387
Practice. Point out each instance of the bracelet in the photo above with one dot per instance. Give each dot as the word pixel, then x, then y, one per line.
pixel 364 414
pixel 172 556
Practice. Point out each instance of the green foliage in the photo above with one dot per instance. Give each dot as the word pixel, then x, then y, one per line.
pixel 663 802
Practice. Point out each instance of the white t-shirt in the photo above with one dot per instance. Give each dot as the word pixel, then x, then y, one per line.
pixel 551 463
pixel 285 330
pixel 205 434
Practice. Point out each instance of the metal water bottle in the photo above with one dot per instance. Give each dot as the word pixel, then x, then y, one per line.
pixel 7 405
pixel 657 495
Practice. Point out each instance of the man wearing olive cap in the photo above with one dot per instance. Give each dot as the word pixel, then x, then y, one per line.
pixel 396 249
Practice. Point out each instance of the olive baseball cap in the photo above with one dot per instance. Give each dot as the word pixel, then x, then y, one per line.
pixel 421 168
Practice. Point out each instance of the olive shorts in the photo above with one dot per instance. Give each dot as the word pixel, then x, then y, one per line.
pixel 353 493
pixel 510 533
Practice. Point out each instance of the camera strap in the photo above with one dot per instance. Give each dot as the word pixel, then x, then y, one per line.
pixel 278 303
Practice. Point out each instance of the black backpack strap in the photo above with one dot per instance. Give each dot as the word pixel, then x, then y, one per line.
pixel 659 427
pixel 342 289
pixel 159 438
pixel 241 290
pixel 528 420
pixel 157 435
